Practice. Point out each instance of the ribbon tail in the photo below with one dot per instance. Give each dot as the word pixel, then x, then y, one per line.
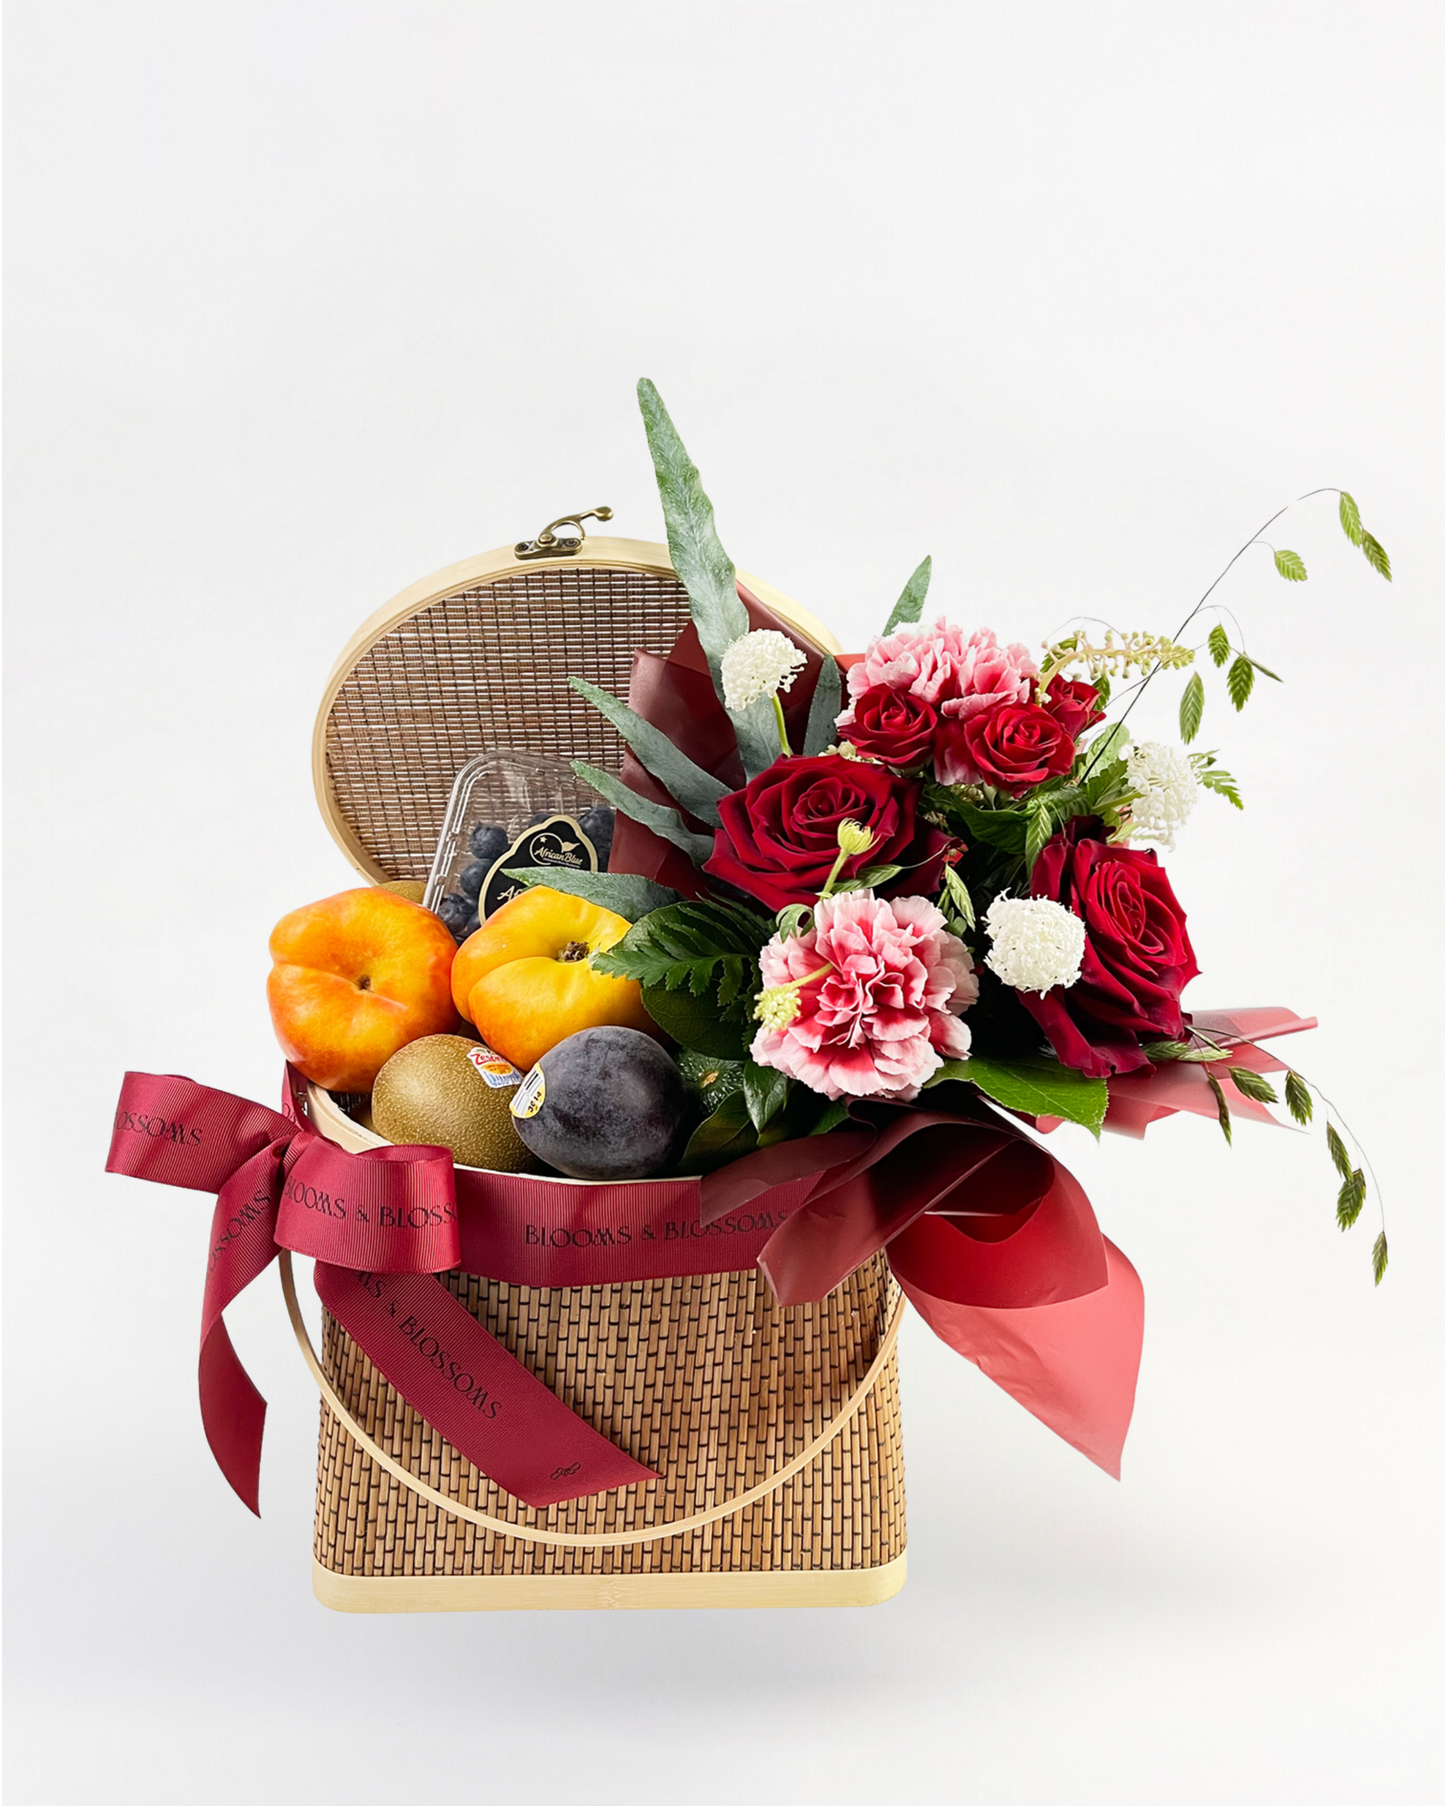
pixel 233 1413
pixel 1073 1364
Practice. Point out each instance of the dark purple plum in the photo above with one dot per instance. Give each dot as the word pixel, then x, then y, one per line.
pixel 613 1106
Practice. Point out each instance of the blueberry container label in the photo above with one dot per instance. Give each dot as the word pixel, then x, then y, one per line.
pixel 556 842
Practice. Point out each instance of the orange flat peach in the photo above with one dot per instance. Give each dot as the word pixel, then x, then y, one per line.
pixel 356 977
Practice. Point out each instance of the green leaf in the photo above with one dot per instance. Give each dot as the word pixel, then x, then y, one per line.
pixel 725 1135
pixel 1221 1103
pixel 765 1092
pixel 1254 1084
pixel 825 708
pixel 1218 644
pixel 1191 708
pixel 704 955
pixel 1035 1087
pixel 1344 1166
pixel 1185 1052
pixel 695 790
pixel 1376 554
pixel 1380 1256
pixel 1265 671
pixel 696 1023
pixel 797 918
pixel 1004 828
pixel 1241 681
pixel 909 606
pixel 704 569
pixel 833 1117
pixel 623 893
pixel 1291 566
pixel 1040 831
pixel 1212 777
pixel 1350 518
pixel 1104 687
pixel 957 899
pixel 1297 1097
pixel 657 816
pixel 1351 1200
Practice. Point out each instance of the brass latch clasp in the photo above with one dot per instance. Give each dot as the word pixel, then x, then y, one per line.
pixel 548 545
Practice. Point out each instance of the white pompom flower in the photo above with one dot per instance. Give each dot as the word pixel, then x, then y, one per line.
pixel 759 664
pixel 1037 943
pixel 1168 790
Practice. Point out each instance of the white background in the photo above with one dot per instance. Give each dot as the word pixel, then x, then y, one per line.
pixel 308 299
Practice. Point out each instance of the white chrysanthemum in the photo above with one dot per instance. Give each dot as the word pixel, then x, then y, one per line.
pixel 759 664
pixel 1167 790
pixel 1037 944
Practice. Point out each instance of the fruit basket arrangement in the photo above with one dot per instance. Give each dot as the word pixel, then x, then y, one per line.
pixel 676 1041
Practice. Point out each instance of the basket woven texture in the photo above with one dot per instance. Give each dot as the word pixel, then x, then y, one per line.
pixel 707 1380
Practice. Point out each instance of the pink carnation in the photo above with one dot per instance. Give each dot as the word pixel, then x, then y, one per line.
pixel 885 1017
pixel 957 675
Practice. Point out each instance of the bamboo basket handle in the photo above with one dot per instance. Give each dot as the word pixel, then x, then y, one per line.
pixel 583 1539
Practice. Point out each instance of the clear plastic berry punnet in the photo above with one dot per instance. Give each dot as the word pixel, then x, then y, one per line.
pixel 511 808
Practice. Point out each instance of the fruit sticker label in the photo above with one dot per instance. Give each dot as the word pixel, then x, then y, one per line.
pixel 500 1074
pixel 558 841
pixel 531 1094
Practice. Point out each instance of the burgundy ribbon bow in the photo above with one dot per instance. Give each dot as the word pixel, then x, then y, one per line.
pixel 379 1225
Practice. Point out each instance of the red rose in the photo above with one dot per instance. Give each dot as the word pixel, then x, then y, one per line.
pixel 1012 746
pixel 1137 956
pixel 779 836
pixel 1073 704
pixel 892 725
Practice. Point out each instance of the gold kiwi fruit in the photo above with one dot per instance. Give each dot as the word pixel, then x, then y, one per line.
pixel 413 889
pixel 446 1091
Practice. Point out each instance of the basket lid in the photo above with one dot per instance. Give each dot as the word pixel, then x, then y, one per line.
pixel 477 656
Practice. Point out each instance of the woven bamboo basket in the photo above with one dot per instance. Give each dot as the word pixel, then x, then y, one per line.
pixel 776 1431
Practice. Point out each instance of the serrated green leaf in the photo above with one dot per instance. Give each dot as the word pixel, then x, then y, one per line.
pixel 1221 1104
pixel 1035 1087
pixel 1040 832
pixel 1241 681
pixel 1351 1200
pixel 1344 1166
pixel 956 897
pixel 1191 708
pixel 693 789
pixel 1213 778
pixel 657 816
pixel 696 1023
pixel 1376 554
pixel 1218 644
pixel 1290 565
pixel 909 606
pixel 1380 1256
pixel 765 1091
pixel 1350 518
pixel 825 708
pixel 705 570
pixel 1297 1098
pixel 1003 828
pixel 1253 1084
pixel 623 893
pixel 1104 687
